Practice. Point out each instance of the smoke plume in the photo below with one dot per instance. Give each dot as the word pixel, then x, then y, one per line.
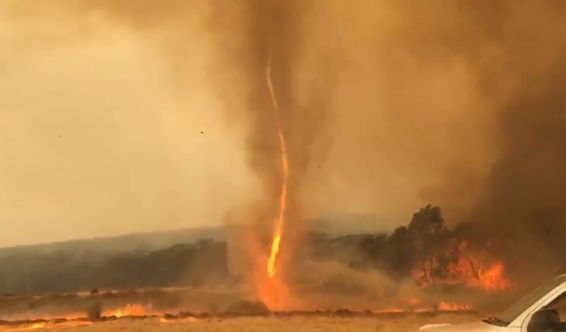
pixel 522 201
pixel 385 106
pixel 512 52
pixel 377 99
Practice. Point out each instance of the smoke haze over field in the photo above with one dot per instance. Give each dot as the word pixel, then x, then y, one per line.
pixel 386 105
pixel 95 139
pixel 523 200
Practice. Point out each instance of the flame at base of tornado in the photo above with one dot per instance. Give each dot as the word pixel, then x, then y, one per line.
pixel 273 291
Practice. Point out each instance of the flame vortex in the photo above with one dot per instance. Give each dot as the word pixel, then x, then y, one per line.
pixel 272 261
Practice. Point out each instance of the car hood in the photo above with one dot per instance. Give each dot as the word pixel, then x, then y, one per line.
pixel 470 327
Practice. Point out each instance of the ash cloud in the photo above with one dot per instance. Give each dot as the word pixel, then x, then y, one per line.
pixel 522 201
pixel 100 135
pixel 362 88
pixel 280 33
pixel 513 50
pixel 386 106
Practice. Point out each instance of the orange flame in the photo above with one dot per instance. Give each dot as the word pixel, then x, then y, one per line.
pixel 446 306
pixel 469 270
pixel 45 326
pixel 177 320
pixel 271 262
pixel 418 307
pixel 492 278
pixel 273 285
pixel 33 326
pixel 74 319
pixel 128 310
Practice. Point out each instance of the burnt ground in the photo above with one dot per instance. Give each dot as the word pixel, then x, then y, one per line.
pixel 204 302
pixel 174 305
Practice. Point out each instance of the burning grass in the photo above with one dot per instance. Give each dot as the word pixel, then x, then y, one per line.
pixel 97 312
pixel 235 302
pixel 306 321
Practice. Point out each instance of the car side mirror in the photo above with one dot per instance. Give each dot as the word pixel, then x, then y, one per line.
pixel 544 320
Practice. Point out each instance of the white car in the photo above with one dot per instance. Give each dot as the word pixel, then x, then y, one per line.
pixel 539 311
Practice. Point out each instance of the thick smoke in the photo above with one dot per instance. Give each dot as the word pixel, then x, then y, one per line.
pixel 100 135
pixel 277 33
pixel 522 203
pixel 385 105
pixel 514 50
pixel 377 98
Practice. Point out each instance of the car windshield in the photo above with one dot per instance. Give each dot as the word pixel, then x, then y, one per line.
pixel 526 302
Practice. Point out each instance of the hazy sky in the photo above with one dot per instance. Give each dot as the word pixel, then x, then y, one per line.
pixel 102 109
pixel 94 142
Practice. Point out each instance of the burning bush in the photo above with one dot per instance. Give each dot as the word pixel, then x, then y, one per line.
pixel 434 253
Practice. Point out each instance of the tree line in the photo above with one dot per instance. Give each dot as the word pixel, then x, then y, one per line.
pixel 425 250
pixel 426 245
pixel 65 271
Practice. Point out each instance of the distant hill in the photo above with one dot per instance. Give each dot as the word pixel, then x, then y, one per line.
pixel 128 242
pixel 335 225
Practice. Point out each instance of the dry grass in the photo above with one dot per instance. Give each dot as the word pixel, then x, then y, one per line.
pixel 262 324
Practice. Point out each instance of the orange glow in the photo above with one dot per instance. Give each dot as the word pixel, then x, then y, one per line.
pixel 76 319
pixel 442 306
pixel 177 320
pixel 33 326
pixel 471 269
pixel 274 289
pixel 274 293
pixel 137 310
pixel 445 306
pixel 44 326
pixel 491 278
pixel 272 261
pixel 128 310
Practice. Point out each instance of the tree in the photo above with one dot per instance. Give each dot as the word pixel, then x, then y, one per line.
pixel 399 255
pixel 373 248
pixel 430 237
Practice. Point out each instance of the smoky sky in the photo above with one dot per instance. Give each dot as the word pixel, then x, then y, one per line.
pixel 522 201
pixel 96 139
pixel 515 50
pixel 276 33
pixel 386 106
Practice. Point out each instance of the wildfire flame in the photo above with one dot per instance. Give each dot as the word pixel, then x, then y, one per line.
pixel 128 310
pixel 44 326
pixel 417 306
pixel 177 320
pixel 471 269
pixel 136 310
pixel 273 283
pixel 34 326
pixel 446 306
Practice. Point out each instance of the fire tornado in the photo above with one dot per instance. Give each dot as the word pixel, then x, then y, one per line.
pixel 272 261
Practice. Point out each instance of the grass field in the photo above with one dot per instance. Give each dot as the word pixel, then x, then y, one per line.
pixel 140 311
pixel 262 324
